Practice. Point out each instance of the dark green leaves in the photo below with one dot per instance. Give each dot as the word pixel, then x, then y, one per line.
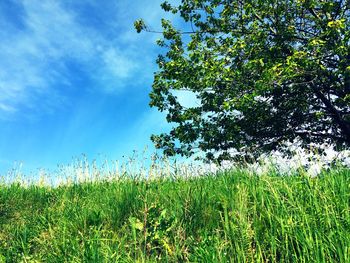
pixel 264 72
pixel 139 25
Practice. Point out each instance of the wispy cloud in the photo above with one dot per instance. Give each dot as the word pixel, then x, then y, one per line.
pixel 37 46
pixel 32 59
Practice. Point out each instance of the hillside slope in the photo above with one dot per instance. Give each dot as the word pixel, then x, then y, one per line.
pixel 233 216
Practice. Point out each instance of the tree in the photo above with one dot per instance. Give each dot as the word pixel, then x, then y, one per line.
pixel 264 71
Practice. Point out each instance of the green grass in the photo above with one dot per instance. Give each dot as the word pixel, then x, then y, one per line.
pixel 231 217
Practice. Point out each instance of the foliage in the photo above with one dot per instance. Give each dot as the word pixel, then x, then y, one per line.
pixel 263 71
pixel 233 216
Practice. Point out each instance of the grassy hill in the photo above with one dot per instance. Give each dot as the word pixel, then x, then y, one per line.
pixel 233 216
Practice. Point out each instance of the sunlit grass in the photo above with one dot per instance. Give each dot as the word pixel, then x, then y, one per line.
pixel 232 216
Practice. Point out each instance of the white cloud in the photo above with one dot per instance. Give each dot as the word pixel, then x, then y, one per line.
pixel 118 63
pixel 6 108
pixel 33 59
pixel 54 32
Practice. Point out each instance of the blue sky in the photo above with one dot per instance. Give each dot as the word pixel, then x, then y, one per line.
pixel 74 79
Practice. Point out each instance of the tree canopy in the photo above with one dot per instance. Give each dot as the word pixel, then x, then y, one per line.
pixel 263 71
